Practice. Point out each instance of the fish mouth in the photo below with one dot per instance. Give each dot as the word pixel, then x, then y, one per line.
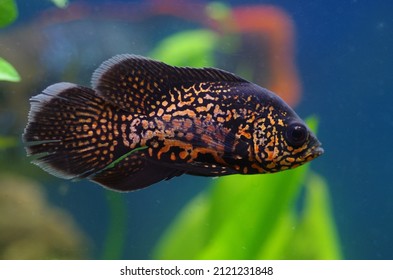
pixel 315 151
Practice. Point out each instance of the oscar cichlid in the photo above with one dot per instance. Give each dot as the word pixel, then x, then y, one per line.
pixel 144 121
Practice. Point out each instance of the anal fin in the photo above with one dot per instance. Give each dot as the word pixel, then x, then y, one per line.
pixel 134 172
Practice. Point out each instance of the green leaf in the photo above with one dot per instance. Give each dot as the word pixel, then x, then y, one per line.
pixel 235 219
pixel 60 3
pixel 316 235
pixel 117 229
pixel 312 235
pixel 7 142
pixel 8 72
pixel 190 48
pixel 189 228
pixel 8 12
pixel 245 209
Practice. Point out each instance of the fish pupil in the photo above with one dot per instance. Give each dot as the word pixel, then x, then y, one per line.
pixel 296 134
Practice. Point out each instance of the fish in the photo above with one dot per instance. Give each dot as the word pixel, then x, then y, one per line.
pixel 143 121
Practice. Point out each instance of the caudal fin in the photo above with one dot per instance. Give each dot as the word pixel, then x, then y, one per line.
pixel 72 132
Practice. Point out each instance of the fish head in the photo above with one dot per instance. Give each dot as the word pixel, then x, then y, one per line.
pixel 282 140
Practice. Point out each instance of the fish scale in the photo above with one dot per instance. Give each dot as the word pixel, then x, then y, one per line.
pixel 144 121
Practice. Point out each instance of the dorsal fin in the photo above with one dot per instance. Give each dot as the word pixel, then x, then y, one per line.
pixel 129 81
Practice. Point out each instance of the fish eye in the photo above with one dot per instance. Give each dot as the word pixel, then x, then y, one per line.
pixel 296 134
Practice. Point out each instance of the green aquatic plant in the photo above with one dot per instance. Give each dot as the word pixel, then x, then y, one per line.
pixel 8 12
pixel 60 3
pixel 8 72
pixel 255 217
pixel 188 48
pixel 116 235
pixel 7 142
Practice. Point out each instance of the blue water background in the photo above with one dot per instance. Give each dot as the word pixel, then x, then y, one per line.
pixel 344 56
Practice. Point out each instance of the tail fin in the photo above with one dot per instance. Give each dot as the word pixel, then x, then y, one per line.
pixel 73 132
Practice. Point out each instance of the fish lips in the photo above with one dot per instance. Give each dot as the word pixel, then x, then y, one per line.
pixel 315 150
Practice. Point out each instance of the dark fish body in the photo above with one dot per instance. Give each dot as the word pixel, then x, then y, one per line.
pixel 144 121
